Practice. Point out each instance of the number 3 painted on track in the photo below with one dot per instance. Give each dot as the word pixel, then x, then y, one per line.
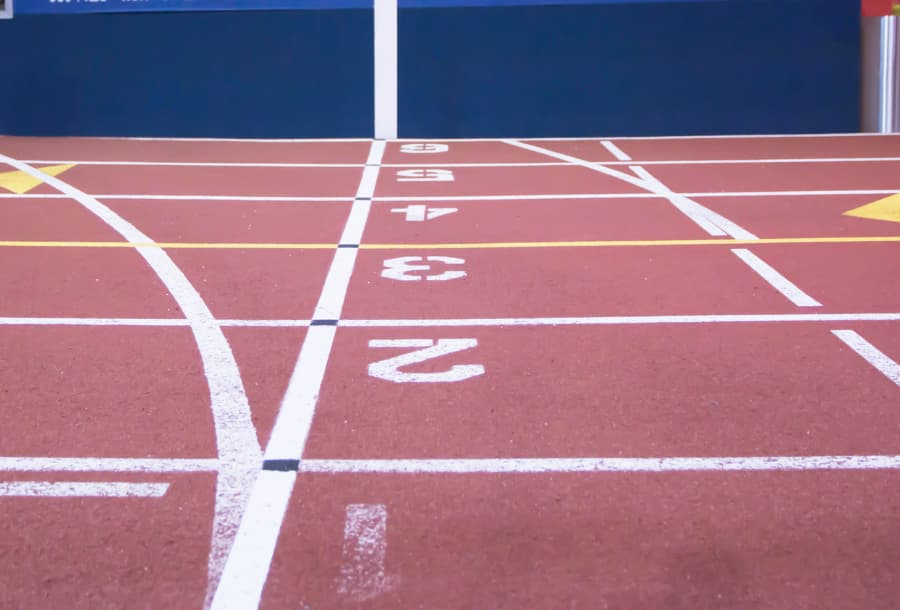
pixel 403 268
pixel 388 369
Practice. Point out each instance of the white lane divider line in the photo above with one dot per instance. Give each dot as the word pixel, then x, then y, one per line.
pixel 780 283
pixel 75 489
pixel 364 551
pixel 616 152
pixel 711 222
pixel 597 167
pixel 447 322
pixel 587 465
pixel 871 354
pixel 247 567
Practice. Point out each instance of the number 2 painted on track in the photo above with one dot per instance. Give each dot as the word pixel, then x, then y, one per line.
pixel 389 369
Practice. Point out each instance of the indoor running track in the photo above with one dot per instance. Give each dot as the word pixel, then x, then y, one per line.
pixel 550 374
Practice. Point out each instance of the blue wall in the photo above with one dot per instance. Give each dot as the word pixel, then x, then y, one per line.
pixel 738 66
pixel 637 67
pixel 201 74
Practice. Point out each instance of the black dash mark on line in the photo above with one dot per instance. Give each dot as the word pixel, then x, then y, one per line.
pixel 348 245
pixel 323 323
pixel 362 198
pixel 281 465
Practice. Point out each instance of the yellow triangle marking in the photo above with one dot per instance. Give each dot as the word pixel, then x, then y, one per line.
pixel 20 182
pixel 883 209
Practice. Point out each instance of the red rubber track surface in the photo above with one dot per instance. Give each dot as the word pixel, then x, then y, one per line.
pixel 99 365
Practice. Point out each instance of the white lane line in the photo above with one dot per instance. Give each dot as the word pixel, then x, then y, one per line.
pixel 597 167
pixel 236 441
pixel 736 136
pixel 517 197
pixel 75 489
pixel 274 141
pixel 702 216
pixel 693 210
pixel 623 160
pixel 626 160
pixel 651 195
pixel 871 354
pixel 154 197
pixel 48 464
pixel 780 283
pixel 376 155
pixel 422 322
pixel 616 152
pixel 32 321
pixel 331 301
pixel 245 571
pixel 363 552
pixel 622 320
pixel 711 222
pixel 564 465
pixel 248 564
pixel 190 164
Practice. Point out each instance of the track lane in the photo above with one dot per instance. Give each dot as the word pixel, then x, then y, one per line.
pixel 761 540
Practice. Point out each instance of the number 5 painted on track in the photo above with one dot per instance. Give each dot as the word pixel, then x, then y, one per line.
pixel 388 370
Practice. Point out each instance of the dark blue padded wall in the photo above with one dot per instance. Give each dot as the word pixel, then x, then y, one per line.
pixel 628 69
pixel 199 74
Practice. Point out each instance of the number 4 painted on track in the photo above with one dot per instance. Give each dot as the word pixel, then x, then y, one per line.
pixel 389 369
pixel 421 213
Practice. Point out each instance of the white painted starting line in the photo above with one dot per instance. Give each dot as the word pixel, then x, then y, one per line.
pixel 474 465
pixel 621 159
pixel 586 465
pixel 76 489
pixel 447 322
pixel 424 198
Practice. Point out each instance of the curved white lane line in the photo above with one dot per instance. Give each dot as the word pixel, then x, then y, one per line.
pixel 710 221
pixel 237 445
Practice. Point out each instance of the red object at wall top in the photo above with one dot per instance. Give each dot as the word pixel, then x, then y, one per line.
pixel 876 8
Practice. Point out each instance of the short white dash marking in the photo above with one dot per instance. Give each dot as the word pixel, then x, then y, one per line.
pixel 364 550
pixel 870 354
pixel 616 152
pixel 74 489
pixel 780 283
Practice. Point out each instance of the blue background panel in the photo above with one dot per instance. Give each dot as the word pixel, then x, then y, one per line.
pixel 746 66
pixel 199 74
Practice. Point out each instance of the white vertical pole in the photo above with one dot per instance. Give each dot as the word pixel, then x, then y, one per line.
pixel 889 52
pixel 385 21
